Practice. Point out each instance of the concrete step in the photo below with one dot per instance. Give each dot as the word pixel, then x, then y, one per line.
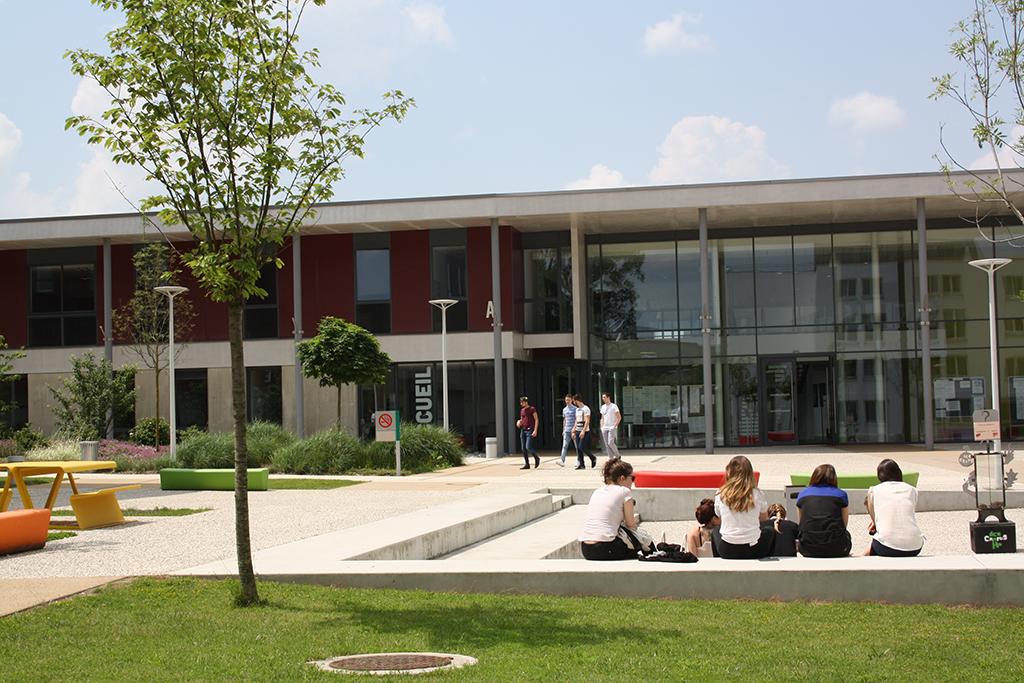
pixel 552 537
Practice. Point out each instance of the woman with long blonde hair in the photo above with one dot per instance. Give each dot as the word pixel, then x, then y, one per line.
pixel 742 507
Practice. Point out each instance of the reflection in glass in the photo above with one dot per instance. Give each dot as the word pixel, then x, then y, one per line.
pixel 773 257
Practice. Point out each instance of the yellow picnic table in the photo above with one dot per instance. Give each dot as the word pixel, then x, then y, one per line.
pixel 92 509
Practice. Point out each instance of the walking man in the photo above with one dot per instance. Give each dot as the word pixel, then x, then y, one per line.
pixel 610 419
pixel 568 423
pixel 528 424
pixel 581 432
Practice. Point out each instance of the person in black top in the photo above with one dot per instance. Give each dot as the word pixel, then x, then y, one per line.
pixel 786 532
pixel 824 511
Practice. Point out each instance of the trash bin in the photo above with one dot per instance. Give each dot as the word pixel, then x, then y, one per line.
pixel 90 450
pixel 790 495
pixel 491 447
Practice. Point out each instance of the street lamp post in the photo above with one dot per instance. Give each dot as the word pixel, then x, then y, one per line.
pixel 444 305
pixel 171 291
pixel 990 266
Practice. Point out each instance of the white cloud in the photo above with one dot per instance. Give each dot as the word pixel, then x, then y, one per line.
pixel 10 141
pixel 364 39
pixel 600 176
pixel 867 113
pixel 90 99
pixel 1008 158
pixel 105 187
pixel 704 149
pixel 428 21
pixel 670 36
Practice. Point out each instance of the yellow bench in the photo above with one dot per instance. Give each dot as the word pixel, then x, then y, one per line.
pixel 95 509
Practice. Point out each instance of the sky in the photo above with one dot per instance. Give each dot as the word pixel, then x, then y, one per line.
pixel 540 96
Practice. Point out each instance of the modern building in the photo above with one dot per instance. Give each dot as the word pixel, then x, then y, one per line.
pixel 820 311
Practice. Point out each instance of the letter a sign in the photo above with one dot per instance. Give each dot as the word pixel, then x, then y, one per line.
pixel 387 425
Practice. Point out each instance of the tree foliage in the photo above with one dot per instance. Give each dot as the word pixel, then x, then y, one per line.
pixel 93 397
pixel 144 319
pixel 989 45
pixel 212 99
pixel 343 353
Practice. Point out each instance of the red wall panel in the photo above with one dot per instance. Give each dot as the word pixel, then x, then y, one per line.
pixel 328 287
pixel 410 282
pixel 122 286
pixel 14 300
pixel 210 321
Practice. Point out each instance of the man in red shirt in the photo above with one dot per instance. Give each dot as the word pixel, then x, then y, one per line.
pixel 528 423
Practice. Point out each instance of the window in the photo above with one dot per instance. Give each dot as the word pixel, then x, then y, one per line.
pixel 62 300
pixel 848 288
pixel 547 278
pixel 1015 326
pixel 263 394
pixel 955 323
pixel 1013 287
pixel 448 281
pixel 14 396
pixel 373 289
pixel 260 315
pixel 190 397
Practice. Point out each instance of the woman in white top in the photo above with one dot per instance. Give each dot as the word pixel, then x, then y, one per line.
pixel 611 506
pixel 698 538
pixel 742 507
pixel 891 505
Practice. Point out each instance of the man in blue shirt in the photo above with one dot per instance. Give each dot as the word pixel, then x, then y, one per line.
pixel 568 422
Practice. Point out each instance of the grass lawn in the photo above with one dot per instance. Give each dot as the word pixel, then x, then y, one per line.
pixel 186 630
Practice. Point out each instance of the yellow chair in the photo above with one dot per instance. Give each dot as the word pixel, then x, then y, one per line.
pixel 96 509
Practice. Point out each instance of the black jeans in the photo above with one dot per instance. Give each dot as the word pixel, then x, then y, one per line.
pixel 763 548
pixel 582 447
pixel 607 550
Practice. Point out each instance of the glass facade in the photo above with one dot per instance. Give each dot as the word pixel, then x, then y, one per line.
pixel 815 337
pixel 62 297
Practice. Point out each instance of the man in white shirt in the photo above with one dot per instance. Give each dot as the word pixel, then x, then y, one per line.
pixel 610 419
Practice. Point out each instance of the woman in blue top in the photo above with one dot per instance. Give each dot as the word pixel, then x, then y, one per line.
pixel 824 512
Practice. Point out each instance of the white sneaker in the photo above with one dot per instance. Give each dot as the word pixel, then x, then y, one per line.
pixel 560 463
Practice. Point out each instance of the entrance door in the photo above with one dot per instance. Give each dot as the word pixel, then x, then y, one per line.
pixel 797 394
pixel 546 383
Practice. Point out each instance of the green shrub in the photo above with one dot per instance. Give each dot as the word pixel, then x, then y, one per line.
pixel 145 432
pixel 425 448
pixel 204 450
pixel 201 450
pixel 331 451
pixel 27 438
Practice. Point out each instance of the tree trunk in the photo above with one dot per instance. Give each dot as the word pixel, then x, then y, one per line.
pixel 246 575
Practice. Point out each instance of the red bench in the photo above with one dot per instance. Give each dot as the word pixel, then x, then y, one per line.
pixel 681 480
pixel 22 530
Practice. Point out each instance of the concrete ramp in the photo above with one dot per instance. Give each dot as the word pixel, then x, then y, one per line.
pixel 552 537
pixel 420 535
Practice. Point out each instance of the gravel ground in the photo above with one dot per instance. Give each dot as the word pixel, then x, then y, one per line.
pixel 158 545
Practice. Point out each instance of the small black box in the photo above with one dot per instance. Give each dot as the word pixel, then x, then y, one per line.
pixel 993 537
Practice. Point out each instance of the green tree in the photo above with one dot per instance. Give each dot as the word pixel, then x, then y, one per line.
pixel 93 397
pixel 343 353
pixel 145 318
pixel 212 99
pixel 989 45
pixel 5 376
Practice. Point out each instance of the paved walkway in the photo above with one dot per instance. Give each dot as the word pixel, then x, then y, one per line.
pixel 157 546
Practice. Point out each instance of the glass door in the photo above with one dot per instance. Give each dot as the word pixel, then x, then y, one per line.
pixel 778 421
pixel 815 388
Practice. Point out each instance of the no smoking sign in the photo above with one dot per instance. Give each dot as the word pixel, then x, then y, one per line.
pixel 387 425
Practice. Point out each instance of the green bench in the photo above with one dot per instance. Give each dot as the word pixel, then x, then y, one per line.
pixel 179 479
pixel 851 481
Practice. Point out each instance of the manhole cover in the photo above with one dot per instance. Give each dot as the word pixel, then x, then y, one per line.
pixel 395 662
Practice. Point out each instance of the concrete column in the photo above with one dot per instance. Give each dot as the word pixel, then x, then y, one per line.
pixel 108 318
pixel 580 322
pixel 300 418
pixel 499 403
pixel 926 328
pixel 705 320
